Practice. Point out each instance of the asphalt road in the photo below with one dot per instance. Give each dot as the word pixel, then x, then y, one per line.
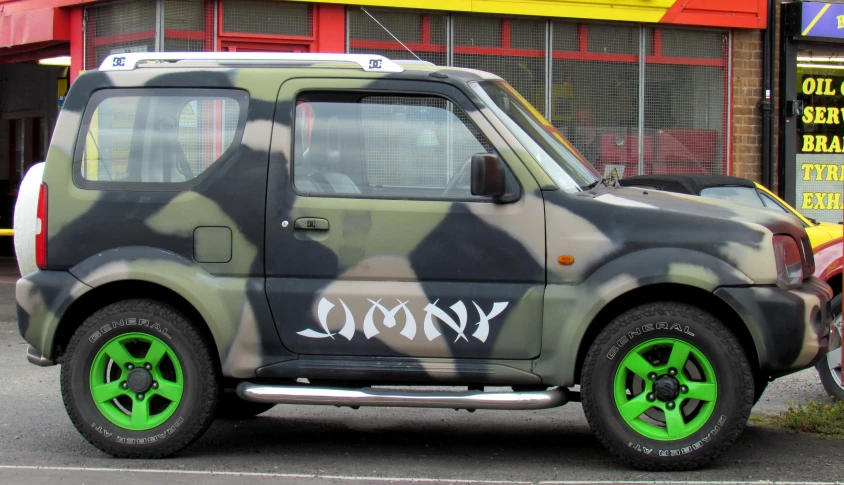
pixel 307 444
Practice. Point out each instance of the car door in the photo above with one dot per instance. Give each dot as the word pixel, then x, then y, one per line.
pixel 375 244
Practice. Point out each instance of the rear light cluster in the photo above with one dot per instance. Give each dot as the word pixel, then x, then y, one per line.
pixel 41 229
pixel 789 259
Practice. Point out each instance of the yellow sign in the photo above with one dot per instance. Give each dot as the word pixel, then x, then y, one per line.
pixel 623 10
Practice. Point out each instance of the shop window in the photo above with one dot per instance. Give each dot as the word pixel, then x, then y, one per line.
pixel 597 91
pixel 423 33
pixel 143 136
pixel 612 39
pixel 514 50
pixel 696 44
pixel 685 99
pixel 266 17
pixel 188 25
pixel 595 97
pixel 113 28
pixel 406 146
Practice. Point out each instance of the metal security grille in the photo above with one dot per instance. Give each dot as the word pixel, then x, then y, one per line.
pixel 595 93
pixel 631 99
pixel 188 25
pixel 511 48
pixel 267 17
pixel 685 93
pixel 423 33
pixel 416 147
pixel 118 27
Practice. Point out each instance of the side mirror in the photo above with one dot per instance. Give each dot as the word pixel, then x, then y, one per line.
pixel 487 175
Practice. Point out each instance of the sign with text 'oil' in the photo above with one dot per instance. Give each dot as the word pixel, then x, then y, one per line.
pixel 820 144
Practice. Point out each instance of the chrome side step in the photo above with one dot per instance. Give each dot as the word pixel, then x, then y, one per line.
pixel 367 396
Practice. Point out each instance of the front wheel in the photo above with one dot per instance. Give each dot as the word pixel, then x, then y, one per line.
pixel 829 368
pixel 667 387
pixel 139 381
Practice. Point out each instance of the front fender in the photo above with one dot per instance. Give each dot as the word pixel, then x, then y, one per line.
pixel 570 310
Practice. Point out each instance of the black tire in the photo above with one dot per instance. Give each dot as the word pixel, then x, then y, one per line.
pixel 196 407
pixel 233 407
pixel 832 387
pixel 685 323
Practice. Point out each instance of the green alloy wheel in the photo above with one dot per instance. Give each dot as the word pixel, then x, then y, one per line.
pixel 665 389
pixel 139 380
pixel 667 386
pixel 136 381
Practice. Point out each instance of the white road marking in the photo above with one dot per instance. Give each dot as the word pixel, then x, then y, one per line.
pixel 261 474
pixel 405 479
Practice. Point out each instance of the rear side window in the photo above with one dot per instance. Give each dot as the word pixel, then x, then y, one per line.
pixel 742 195
pixel 164 137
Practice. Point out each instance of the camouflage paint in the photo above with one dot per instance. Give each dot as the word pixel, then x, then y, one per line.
pixel 437 252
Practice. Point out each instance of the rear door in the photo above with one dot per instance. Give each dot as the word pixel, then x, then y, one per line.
pixel 375 245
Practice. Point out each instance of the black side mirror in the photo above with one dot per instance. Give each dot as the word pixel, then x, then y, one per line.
pixel 488 175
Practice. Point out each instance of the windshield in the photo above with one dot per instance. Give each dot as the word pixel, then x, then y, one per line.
pixel 553 153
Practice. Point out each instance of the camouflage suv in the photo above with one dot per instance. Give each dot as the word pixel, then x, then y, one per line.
pixel 213 234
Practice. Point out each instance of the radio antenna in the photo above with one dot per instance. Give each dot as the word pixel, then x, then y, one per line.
pixel 391 34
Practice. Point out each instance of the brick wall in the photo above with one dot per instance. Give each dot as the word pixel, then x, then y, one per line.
pixel 747 91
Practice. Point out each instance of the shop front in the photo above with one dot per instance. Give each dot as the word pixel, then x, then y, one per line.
pixel 813 109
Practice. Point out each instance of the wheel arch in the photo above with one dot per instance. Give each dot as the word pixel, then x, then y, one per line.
pixel 673 292
pixel 115 291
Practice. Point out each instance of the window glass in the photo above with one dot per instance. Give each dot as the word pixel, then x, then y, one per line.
pixel 545 144
pixel 771 203
pixel 159 138
pixel 407 146
pixel 742 195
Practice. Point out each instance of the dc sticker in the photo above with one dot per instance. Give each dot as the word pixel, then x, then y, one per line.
pixel 375 63
pixel 119 62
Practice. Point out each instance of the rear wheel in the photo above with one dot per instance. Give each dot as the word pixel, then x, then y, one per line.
pixel 829 369
pixel 139 381
pixel 667 387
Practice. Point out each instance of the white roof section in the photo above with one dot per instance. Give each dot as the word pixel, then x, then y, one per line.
pixel 131 60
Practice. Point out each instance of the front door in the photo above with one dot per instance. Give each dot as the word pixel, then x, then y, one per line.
pixel 375 244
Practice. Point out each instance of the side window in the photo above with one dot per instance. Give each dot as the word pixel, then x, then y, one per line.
pixel 742 195
pixel 771 203
pixel 400 146
pixel 158 135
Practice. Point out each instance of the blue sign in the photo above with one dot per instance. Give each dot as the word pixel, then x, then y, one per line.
pixel 821 20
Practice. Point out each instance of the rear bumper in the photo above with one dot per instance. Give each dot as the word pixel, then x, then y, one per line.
pixel 35 357
pixel 43 298
pixel 790 328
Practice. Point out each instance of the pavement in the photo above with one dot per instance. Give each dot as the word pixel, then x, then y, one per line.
pixel 322 445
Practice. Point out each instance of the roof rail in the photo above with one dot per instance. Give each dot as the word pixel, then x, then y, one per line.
pixel 130 60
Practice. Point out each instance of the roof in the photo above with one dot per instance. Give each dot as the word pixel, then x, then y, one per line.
pixel 685 184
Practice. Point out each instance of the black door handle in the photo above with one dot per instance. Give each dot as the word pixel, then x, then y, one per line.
pixel 310 224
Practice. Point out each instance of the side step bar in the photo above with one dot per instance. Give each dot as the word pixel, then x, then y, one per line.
pixel 367 396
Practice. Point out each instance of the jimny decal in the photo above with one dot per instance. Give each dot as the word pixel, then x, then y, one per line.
pixel 432 311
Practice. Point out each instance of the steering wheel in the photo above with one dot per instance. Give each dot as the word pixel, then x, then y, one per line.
pixel 450 186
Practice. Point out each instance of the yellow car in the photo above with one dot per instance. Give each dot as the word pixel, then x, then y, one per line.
pixel 735 189
pixel 818 232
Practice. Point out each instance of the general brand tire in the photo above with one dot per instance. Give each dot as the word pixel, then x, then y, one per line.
pixel 832 383
pixel 630 363
pixel 233 407
pixel 180 386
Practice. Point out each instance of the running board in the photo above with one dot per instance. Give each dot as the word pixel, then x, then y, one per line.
pixel 367 396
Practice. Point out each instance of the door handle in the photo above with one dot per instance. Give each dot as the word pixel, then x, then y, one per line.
pixel 311 224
